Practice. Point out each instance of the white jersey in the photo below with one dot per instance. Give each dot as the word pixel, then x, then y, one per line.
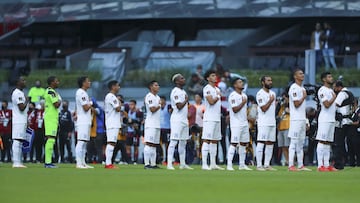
pixel 239 118
pixel 178 96
pixel 326 114
pixel 81 99
pixel 19 117
pixel 295 94
pixel 112 117
pixel 266 118
pixel 212 112
pixel 152 118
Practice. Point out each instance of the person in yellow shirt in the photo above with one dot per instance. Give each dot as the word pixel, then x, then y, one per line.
pixel 283 118
pixel 36 93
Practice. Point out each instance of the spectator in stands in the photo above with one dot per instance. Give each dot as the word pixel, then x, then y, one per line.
pixel 36 93
pixel 199 71
pixel 316 43
pixel 328 52
pixel 5 131
pixel 66 126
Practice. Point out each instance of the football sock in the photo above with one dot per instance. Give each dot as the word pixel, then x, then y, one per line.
pixel 83 152
pixel 147 155
pixel 230 155
pixel 182 152
pixel 268 154
pixel 49 148
pixel 205 153
pixel 292 148
pixel 16 148
pixel 242 155
pixel 213 151
pixel 170 153
pixel 326 155
pixel 300 153
pixel 78 152
pixel 153 156
pixel 109 150
pixel 259 153
pixel 320 154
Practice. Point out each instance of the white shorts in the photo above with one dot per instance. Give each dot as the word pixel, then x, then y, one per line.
pixel 19 131
pixel 326 131
pixel 83 132
pixel 179 131
pixel 211 130
pixel 240 134
pixel 283 139
pixel 152 135
pixel 112 134
pixel 297 130
pixel 266 133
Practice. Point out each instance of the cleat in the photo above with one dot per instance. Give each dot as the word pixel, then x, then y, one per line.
pixel 205 168
pixel 293 168
pixel 50 166
pixel 110 166
pixel 81 166
pixel 19 166
pixel 323 169
pixel 331 169
pixel 216 167
pixel 185 167
pixel 88 166
pixel 303 168
pixel 147 167
pixel 244 168
pixel 260 168
pixel 170 168
pixel 155 167
pixel 269 168
pixel 229 168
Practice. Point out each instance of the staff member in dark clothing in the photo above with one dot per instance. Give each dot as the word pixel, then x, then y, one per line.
pixel 344 102
pixel 66 126
pixel 354 140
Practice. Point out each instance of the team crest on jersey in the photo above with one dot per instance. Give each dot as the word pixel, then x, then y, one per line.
pixel 176 97
pixel 321 95
pixel 208 92
pixel 260 100
pixel 83 98
pixel 115 101
pixel 233 101
pixel 150 101
pixel 294 94
pixel 20 98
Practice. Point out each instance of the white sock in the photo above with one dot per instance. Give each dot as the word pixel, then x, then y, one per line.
pixel 259 153
pixel 84 150
pixel 153 156
pixel 292 149
pixel 300 153
pixel 205 153
pixel 16 149
pixel 163 147
pixel 213 151
pixel 109 150
pixel 79 152
pixel 230 155
pixel 182 152
pixel 268 154
pixel 327 155
pixel 242 155
pixel 147 154
pixel 170 152
pixel 320 154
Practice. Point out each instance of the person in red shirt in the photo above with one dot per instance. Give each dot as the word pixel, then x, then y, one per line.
pixel 5 131
pixel 39 130
pixel 31 124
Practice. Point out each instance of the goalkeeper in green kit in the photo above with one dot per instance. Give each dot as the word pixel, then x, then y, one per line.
pixel 51 119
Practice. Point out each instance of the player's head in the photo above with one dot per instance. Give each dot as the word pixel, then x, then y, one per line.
pixel 84 82
pixel 298 74
pixel 327 78
pixel 113 86
pixel 210 76
pixel 21 82
pixel 266 82
pixel 154 86
pixel 238 83
pixel 53 82
pixel 178 79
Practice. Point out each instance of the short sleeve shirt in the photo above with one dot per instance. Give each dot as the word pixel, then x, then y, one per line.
pixel 18 97
pixel 326 114
pixel 178 96
pixel 51 97
pixel 266 118
pixel 112 117
pixel 152 118
pixel 295 94
pixel 239 118
pixel 82 98
pixel 212 112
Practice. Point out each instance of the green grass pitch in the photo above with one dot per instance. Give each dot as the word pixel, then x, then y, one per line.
pixel 134 184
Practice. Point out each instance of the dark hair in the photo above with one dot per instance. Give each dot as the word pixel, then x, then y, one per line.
pixel 51 79
pixel 233 81
pixel 297 69
pixel 33 103
pixel 262 79
pixel 324 75
pixel 200 94
pixel 111 84
pixel 339 83
pixel 65 101
pixel 81 80
pixel 133 101
pixel 5 101
pixel 163 97
pixel 251 98
pixel 151 83
pixel 208 73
